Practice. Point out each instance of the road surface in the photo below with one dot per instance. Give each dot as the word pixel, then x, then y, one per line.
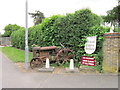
pixel 12 77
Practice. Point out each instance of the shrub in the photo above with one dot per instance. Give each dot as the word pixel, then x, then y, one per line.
pixel 34 36
pixel 48 32
pixel 9 29
pixel 73 28
pixel 70 30
pixel 18 38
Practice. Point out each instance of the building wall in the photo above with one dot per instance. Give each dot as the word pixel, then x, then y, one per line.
pixel 111 52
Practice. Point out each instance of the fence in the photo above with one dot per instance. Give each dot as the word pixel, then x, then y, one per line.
pixel 5 41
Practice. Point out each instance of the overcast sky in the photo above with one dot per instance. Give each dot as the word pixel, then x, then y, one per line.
pixel 13 11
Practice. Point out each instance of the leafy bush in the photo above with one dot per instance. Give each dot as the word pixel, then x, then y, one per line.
pixel 48 32
pixel 9 29
pixel 34 36
pixel 98 54
pixel 72 29
pixel 18 38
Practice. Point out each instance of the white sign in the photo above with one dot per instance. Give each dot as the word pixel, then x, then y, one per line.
pixel 90 45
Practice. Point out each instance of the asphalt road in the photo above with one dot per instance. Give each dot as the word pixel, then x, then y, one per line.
pixel 13 78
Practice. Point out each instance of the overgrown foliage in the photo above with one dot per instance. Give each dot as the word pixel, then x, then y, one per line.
pixel 34 36
pixel 73 28
pixel 98 54
pixel 9 29
pixel 70 30
pixel 48 31
pixel 37 16
pixel 113 16
pixel 18 38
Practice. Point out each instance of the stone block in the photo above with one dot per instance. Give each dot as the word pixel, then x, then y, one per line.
pixel 75 70
pixel 51 69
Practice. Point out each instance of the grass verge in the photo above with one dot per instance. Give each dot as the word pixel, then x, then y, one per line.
pixel 14 54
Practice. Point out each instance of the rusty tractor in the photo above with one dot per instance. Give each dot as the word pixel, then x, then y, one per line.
pixel 59 56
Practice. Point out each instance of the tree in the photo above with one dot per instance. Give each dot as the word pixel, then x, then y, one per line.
pixel 9 29
pixel 38 16
pixel 113 16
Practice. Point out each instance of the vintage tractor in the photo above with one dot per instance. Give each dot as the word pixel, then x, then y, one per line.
pixel 59 56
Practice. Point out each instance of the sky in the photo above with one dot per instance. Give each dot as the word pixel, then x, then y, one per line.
pixel 13 11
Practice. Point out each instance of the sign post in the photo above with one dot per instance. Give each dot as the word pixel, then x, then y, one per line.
pixel 26 37
pixel 89 61
pixel 90 45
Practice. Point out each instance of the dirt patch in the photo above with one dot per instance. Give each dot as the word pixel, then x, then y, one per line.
pixel 57 70
pixel 21 67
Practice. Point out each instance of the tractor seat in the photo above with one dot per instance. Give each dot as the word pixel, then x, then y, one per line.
pixel 48 48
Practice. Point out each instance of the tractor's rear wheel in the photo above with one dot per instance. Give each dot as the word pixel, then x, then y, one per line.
pixel 64 55
pixel 36 63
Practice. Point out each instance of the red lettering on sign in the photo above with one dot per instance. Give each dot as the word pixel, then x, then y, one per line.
pixel 90 61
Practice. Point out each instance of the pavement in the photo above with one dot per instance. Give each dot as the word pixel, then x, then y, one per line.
pixel 12 77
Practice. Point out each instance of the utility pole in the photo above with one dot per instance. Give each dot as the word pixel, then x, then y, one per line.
pixel 26 37
pixel 119 21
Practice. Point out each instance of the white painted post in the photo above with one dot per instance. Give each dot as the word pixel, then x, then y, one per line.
pixel 111 29
pixel 26 38
pixel 47 63
pixel 71 64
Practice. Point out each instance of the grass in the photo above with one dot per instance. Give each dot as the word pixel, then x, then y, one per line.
pixel 17 55
pixel 14 54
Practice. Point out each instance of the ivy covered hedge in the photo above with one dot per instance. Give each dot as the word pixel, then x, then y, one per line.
pixel 34 36
pixel 98 54
pixel 18 38
pixel 48 31
pixel 71 30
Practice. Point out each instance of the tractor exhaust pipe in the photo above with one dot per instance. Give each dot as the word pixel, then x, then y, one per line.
pixel 62 45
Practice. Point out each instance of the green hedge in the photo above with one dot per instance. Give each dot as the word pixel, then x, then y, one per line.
pixel 18 38
pixel 34 36
pixel 70 30
pixel 9 29
pixel 98 54
pixel 48 31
